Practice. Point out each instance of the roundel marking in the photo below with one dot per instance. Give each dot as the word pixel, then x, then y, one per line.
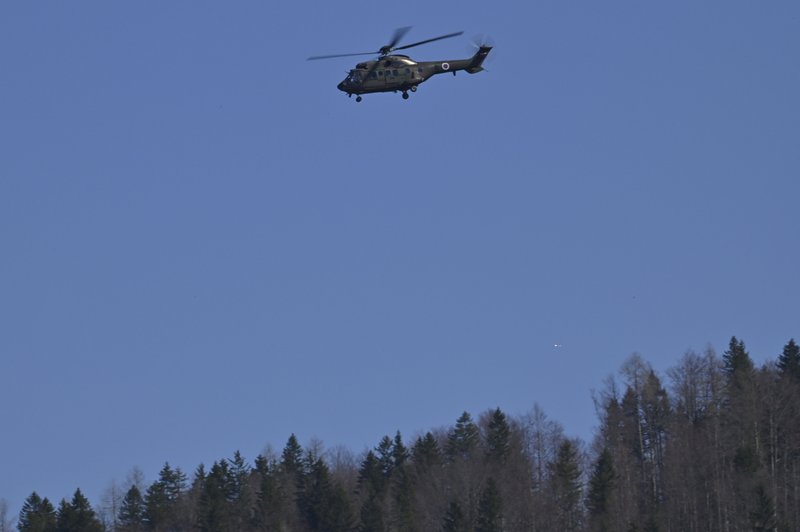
pixel 445 66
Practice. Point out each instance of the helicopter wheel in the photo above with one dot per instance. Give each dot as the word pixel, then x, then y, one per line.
pixel 414 88
pixel 359 98
pixel 405 95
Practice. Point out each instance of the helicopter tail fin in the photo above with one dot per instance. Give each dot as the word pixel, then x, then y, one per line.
pixel 477 59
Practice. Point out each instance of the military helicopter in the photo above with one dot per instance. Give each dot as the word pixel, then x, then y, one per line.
pixel 392 72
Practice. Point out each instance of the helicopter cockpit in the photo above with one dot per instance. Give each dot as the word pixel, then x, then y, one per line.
pixel 354 77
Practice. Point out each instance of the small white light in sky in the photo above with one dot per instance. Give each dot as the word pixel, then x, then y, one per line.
pixel 557 345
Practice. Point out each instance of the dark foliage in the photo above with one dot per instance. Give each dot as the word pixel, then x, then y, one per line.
pixel 715 448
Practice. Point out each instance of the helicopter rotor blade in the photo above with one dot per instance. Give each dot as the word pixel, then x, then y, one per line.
pixel 399 33
pixel 315 57
pixel 449 35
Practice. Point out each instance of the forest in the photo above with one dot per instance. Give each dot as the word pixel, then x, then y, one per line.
pixel 713 445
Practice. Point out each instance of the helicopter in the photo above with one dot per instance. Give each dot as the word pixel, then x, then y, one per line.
pixel 392 72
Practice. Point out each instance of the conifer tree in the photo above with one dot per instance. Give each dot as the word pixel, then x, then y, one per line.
pixel 454 519
pixel 789 360
pixel 736 359
pixel 37 515
pixel 399 452
pixel 371 486
pixel 490 509
pixel 241 494
pixel 292 457
pixel 162 496
pixel 323 504
pixel 426 453
pixel 214 510
pixel 131 513
pixel 498 437
pixel 268 509
pixel 77 516
pixel 370 475
pixel 566 487
pixel 601 486
pixel 385 455
pixel 464 438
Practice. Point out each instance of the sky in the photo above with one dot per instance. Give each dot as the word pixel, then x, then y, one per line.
pixel 206 247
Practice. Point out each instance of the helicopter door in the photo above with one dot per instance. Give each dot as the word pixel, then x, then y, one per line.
pixel 386 78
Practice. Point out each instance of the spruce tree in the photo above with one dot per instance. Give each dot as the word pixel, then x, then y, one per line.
pixel 292 457
pixel 426 453
pixel 322 502
pixel 565 484
pixel 490 509
pixel 454 519
pixel 214 510
pixel 77 516
pixel 131 513
pixel 385 456
pixel 464 438
pixel 371 487
pixel 601 486
pixel 498 437
pixel 162 496
pixel 241 493
pixel 789 361
pixel 37 515
pixel 399 452
pixel 268 509
pixel 736 359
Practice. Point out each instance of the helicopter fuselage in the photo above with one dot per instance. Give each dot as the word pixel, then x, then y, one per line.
pixel 393 73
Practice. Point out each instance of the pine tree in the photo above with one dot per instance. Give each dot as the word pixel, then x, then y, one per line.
pixel 490 509
pixel 789 360
pixel 77 516
pixel 37 515
pixel 601 486
pixel 131 513
pixel 498 437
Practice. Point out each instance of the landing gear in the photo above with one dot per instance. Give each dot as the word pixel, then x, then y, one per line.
pixel 359 98
pixel 414 88
pixel 405 95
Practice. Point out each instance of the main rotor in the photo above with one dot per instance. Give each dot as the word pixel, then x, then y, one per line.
pixel 387 49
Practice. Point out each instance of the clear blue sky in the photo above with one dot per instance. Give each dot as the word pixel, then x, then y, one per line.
pixel 206 246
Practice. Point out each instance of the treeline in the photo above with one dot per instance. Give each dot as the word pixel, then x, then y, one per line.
pixel 715 448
